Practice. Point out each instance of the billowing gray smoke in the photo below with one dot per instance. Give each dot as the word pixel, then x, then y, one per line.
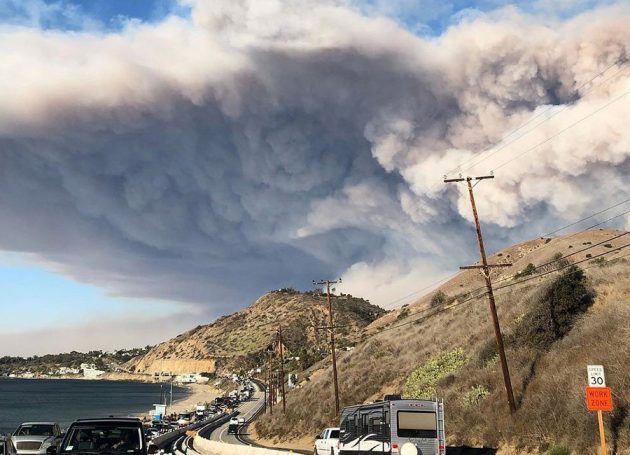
pixel 263 144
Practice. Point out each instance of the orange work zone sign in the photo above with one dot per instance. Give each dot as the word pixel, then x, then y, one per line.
pixel 599 399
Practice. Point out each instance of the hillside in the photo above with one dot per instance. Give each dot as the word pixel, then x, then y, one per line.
pixel 556 318
pixel 237 341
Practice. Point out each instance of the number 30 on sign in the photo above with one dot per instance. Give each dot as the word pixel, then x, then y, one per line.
pixel 596 376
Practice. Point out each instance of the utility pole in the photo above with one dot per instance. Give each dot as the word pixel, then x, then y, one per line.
pixel 281 345
pixel 332 337
pixel 485 269
pixel 269 380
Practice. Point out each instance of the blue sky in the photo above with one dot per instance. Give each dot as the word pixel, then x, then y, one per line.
pixel 35 297
pixel 424 17
pixel 52 299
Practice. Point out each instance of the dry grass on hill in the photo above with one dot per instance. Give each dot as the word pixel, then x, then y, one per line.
pixel 236 342
pixel 548 375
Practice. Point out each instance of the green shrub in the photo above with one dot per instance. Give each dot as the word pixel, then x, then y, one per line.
pixel 422 382
pixel 475 395
pixel 403 314
pixel 439 298
pixel 600 261
pixel 529 269
pixel 558 450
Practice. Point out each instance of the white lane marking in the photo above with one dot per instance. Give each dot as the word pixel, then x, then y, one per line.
pixel 221 434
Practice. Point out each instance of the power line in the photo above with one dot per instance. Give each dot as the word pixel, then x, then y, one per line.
pixel 569 265
pixel 573 253
pixel 447 307
pixel 553 136
pixel 562 257
pixel 559 111
pixel 591 216
pixel 429 286
pixel 573 223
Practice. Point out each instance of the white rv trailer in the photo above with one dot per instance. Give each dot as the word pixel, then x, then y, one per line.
pixel 393 426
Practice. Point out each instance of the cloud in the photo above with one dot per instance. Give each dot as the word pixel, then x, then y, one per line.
pixel 105 334
pixel 254 146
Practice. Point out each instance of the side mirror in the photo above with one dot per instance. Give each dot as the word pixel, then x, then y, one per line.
pixel 152 449
pixel 51 450
pixel 318 437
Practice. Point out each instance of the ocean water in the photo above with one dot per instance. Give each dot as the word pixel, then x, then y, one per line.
pixel 64 400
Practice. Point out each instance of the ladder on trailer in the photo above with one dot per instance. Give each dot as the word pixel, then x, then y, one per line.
pixel 441 439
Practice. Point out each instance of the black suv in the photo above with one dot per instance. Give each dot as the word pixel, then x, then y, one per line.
pixel 111 436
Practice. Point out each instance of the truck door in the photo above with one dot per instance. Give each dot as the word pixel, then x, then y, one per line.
pixel 319 444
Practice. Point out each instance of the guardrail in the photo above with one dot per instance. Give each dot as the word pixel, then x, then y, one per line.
pixel 164 440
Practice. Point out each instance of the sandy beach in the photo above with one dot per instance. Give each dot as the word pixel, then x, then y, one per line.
pixel 198 394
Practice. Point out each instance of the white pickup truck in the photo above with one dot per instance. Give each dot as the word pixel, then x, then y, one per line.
pixel 327 442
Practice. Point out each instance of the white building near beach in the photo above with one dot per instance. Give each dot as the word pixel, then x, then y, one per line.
pixel 191 378
pixel 92 373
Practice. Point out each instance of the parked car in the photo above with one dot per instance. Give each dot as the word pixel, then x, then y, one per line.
pixel 33 438
pixel 105 436
pixel 6 446
pixel 326 442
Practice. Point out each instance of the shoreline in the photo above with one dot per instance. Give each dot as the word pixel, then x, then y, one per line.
pixel 197 394
pixel 118 377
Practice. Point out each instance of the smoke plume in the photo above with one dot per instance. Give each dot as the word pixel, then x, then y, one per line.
pixel 262 144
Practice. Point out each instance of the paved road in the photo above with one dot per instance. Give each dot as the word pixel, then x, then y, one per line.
pixel 247 410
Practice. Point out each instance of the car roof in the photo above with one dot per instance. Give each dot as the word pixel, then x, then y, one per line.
pixel 108 419
pixel 38 423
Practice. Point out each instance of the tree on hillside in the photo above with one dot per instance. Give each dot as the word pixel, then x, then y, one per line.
pixel 439 298
pixel 556 309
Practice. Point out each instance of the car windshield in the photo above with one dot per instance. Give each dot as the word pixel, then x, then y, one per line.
pixel 103 439
pixel 35 430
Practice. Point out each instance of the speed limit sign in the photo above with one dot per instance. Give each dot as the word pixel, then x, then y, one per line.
pixel 596 376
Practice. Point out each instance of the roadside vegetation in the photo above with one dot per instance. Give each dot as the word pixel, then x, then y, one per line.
pixel 553 327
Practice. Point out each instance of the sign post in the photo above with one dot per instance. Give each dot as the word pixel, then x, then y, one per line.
pixel 602 435
pixel 598 398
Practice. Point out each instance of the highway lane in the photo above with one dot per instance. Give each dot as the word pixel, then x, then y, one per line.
pixel 184 443
pixel 247 410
